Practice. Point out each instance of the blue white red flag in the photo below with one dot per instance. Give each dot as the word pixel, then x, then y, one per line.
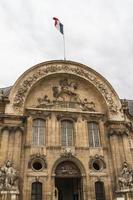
pixel 58 25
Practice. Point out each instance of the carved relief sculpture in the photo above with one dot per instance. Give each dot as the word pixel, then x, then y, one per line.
pixel 87 105
pixel 65 96
pixel 66 90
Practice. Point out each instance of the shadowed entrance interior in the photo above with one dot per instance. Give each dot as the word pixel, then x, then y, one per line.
pixel 68 181
pixel 68 188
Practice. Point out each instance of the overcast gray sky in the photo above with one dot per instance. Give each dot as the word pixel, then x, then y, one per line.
pixel 99 33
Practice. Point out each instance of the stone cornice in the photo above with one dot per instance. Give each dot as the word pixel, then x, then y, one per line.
pixel 43 110
pixel 12 129
pixel 12 117
pixel 35 113
pixel 93 117
pixel 62 116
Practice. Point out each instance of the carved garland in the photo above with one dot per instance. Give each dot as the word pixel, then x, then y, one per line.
pixel 29 81
pixel 99 160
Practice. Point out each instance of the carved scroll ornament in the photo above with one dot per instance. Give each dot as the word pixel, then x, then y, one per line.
pixel 43 71
pixel 68 152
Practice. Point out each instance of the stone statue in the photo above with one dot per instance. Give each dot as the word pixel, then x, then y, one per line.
pixel 125 179
pixel 8 177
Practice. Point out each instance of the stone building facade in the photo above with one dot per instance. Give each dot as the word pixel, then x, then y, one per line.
pixel 65 135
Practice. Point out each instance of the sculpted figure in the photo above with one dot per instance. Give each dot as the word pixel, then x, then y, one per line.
pixel 87 106
pixel 66 90
pixel 8 176
pixel 126 179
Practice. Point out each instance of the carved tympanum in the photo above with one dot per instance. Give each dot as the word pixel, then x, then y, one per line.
pixel 8 177
pixel 65 96
pixel 43 71
pixel 67 169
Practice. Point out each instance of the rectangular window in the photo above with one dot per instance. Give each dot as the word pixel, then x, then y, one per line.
pixel 36 193
pixel 66 133
pixel 93 134
pixel 38 132
pixel 99 190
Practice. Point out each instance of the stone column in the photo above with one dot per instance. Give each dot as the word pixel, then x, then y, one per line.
pixel 84 191
pixel 118 137
pixel 4 144
pixel 117 131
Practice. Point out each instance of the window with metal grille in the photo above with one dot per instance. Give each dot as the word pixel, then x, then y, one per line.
pixel 99 190
pixel 93 133
pixel 36 191
pixel 38 132
pixel 66 133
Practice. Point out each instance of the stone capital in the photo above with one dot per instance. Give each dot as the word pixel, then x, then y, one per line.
pixel 12 129
pixel 117 128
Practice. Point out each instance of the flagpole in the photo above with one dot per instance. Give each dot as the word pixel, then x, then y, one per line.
pixel 60 28
pixel 64 46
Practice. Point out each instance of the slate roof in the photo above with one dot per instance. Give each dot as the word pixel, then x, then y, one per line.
pixel 5 91
pixel 130 107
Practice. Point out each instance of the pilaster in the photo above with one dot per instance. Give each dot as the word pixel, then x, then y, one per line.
pixel 4 143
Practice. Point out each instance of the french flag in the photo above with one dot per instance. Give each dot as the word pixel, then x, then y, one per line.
pixel 58 25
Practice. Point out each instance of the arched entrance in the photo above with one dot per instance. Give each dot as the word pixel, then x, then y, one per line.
pixel 68 181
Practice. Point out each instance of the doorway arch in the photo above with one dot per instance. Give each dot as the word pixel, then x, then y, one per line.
pixel 68 181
